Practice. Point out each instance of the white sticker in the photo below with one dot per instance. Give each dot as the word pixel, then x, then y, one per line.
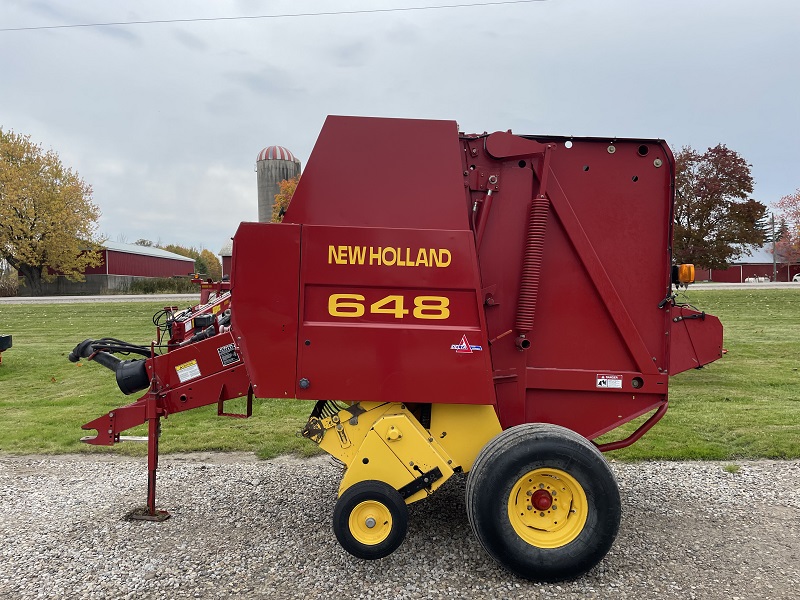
pixel 188 370
pixel 464 347
pixel 609 381
pixel 188 325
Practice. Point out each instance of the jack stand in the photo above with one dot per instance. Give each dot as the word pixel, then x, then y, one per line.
pixel 153 433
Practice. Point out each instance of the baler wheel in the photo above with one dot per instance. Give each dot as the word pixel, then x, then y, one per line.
pixel 370 519
pixel 543 502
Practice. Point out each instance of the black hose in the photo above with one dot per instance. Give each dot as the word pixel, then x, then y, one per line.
pixel 131 374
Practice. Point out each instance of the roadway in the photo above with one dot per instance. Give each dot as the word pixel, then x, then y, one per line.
pixel 171 299
pixel 179 299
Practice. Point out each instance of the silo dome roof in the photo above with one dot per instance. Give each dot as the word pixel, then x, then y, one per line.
pixel 276 153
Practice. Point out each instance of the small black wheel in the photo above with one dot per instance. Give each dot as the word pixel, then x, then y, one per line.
pixel 543 502
pixel 370 519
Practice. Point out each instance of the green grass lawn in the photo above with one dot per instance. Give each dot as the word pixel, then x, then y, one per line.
pixel 745 406
pixel 44 398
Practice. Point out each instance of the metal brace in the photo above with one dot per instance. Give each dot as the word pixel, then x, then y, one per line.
pixel 354 411
pixel 701 316
pixel 420 483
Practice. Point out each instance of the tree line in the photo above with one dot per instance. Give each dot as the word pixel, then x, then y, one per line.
pixel 48 220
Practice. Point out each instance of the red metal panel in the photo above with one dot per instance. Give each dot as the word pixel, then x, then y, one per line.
pixel 696 339
pixel 188 369
pixel 264 282
pixel 385 313
pixel 383 173
pixel 604 270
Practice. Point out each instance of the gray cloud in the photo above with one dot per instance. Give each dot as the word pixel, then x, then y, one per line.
pixel 120 34
pixel 266 80
pixel 352 55
pixel 165 121
pixel 189 40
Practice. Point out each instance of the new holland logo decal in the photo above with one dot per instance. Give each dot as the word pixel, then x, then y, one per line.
pixel 464 347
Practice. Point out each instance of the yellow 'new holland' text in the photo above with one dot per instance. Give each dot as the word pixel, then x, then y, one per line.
pixel 388 256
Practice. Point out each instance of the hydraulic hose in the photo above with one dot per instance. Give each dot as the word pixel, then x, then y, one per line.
pixel 131 374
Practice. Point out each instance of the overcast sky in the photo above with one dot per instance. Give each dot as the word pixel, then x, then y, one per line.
pixel 165 120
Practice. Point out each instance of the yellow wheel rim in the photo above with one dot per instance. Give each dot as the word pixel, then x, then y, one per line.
pixel 547 508
pixel 370 522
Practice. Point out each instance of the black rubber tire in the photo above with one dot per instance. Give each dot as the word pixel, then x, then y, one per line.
pixel 375 491
pixel 511 455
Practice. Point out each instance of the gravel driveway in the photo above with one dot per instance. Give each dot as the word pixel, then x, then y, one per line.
pixel 261 529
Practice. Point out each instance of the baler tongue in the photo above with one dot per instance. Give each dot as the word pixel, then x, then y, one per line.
pixel 208 371
pixel 111 424
pixel 105 431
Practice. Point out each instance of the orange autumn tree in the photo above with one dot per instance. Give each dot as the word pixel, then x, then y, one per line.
pixel 48 222
pixel 213 266
pixel 206 263
pixel 283 197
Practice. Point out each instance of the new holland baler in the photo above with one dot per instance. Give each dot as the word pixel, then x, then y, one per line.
pixel 448 303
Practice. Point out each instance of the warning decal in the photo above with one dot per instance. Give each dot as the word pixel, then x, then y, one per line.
pixel 227 354
pixel 188 370
pixel 609 381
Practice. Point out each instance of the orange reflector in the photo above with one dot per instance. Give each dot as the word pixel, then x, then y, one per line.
pixel 686 273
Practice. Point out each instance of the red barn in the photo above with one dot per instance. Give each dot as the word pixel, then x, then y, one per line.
pixel 141 261
pixel 754 266
pixel 122 264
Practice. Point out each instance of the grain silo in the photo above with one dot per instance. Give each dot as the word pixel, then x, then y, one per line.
pixel 273 165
